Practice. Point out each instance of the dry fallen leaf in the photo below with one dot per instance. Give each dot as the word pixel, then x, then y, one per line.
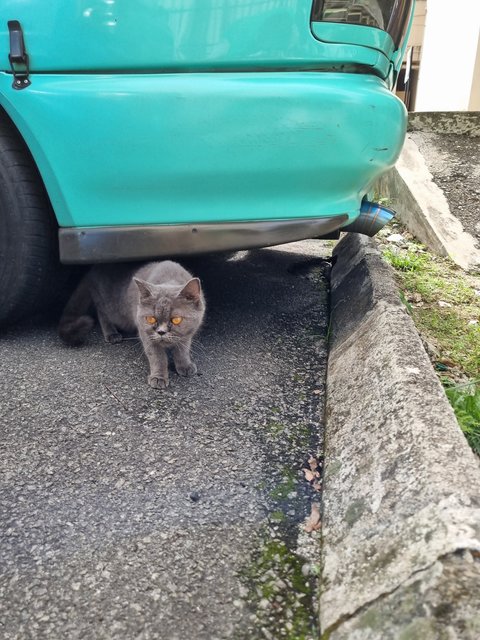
pixel 313 522
pixel 313 462
pixel 447 362
pixel 317 485
pixel 309 475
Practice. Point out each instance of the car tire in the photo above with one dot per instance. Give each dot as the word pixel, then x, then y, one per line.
pixel 29 265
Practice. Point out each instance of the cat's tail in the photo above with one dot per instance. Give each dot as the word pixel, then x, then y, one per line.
pixel 76 321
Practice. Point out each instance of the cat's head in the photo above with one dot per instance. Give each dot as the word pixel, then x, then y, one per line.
pixel 170 313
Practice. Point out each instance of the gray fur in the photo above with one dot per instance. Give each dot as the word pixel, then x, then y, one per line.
pixel 124 296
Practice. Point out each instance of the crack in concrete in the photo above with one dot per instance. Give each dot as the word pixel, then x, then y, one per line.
pixel 325 635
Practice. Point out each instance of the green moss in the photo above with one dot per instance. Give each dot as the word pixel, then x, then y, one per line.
pixel 354 512
pixel 286 486
pixel 383 559
pixel 275 428
pixel 423 629
pixel 333 468
pixel 279 595
pixel 277 516
pixel 473 625
pixel 371 619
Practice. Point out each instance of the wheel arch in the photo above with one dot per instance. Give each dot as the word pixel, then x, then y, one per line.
pixel 31 276
pixel 24 133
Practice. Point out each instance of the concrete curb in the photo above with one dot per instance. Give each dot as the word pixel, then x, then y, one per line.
pixel 422 206
pixel 459 122
pixel 401 522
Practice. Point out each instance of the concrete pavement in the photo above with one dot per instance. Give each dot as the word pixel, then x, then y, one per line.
pixel 434 187
pixel 128 512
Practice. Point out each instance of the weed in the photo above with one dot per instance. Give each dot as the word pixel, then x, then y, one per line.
pixel 406 303
pixel 376 196
pixel 459 342
pixel 465 400
pixel 445 306
pixel 404 260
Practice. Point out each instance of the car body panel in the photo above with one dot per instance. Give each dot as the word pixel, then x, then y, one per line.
pixel 186 35
pixel 125 149
pixel 354 34
pixel 225 121
pixel 79 245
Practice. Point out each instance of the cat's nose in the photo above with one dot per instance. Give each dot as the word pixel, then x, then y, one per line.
pixel 162 329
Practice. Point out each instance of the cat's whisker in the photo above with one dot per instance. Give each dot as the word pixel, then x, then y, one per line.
pixel 196 350
pixel 135 346
pixel 169 342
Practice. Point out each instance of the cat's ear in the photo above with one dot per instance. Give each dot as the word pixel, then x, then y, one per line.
pixel 192 290
pixel 144 288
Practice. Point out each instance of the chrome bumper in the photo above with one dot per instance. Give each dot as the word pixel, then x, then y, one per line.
pixel 87 245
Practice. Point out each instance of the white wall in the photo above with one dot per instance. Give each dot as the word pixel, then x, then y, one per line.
pixel 446 79
pixel 418 25
pixel 475 95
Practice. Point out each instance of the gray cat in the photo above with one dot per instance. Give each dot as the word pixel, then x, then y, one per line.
pixel 161 301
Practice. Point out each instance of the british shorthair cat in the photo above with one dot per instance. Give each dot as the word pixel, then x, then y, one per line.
pixel 161 301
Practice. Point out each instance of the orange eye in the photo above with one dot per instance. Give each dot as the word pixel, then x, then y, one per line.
pixel 176 320
pixel 151 319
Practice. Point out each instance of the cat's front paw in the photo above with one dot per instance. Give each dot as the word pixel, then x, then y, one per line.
pixel 114 338
pixel 157 382
pixel 187 370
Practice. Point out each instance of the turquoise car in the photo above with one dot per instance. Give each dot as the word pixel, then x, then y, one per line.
pixel 134 129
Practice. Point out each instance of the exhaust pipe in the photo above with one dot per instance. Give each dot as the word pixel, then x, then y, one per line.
pixel 372 218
